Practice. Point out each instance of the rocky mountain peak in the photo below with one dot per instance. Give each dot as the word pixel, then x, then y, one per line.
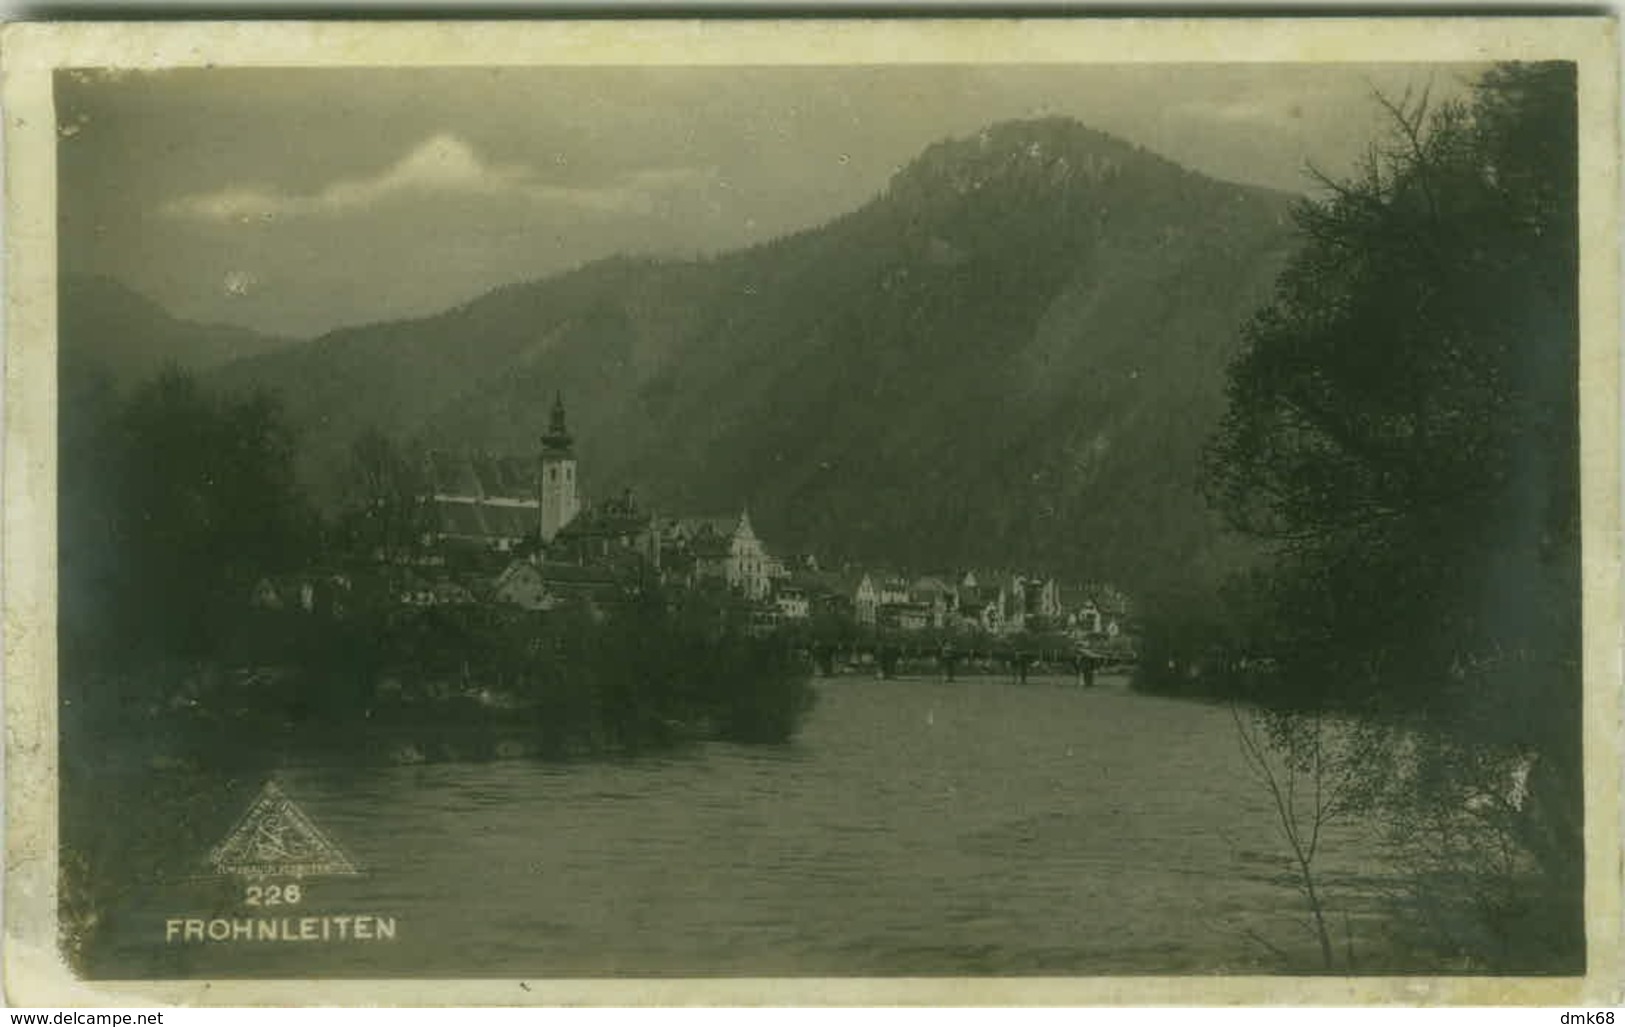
pixel 1056 151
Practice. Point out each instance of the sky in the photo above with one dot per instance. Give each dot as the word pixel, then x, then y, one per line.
pixel 294 201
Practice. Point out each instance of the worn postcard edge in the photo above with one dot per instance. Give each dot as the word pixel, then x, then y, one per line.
pixel 34 972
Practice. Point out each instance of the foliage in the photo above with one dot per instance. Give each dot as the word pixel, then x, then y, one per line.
pixel 386 512
pixel 1403 431
pixel 172 503
pixel 1402 423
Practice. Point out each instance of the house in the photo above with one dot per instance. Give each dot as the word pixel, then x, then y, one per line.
pixel 595 587
pixel 725 549
pixel 608 531
pixel 1049 602
pixel 981 607
pixel 937 596
pixel 414 590
pixel 893 589
pixel 904 616
pixel 792 603
pixel 866 601
pixel 305 593
pixel 708 555
pixel 1087 619
pixel 521 584
pixel 447 592
pixel 828 592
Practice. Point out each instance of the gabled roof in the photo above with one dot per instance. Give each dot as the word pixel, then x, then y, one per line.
pixel 825 582
pixel 481 474
pixel 517 570
pixel 510 521
pixel 477 520
pixel 721 525
pixel 602 522
pixel 460 518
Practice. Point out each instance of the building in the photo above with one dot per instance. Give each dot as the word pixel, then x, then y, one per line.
pixel 937 596
pixel 479 500
pixel 557 492
pixel 866 602
pixel 724 549
pixel 608 532
pixel 521 584
pixel 495 503
pixel 793 603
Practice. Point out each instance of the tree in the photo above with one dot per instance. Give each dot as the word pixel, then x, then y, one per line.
pixel 388 512
pixel 1402 430
pixel 173 503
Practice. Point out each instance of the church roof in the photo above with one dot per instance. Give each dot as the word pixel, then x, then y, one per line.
pixel 484 475
pixel 510 521
pixel 468 519
pixel 459 518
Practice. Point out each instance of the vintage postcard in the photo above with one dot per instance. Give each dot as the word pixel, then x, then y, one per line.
pixel 1021 511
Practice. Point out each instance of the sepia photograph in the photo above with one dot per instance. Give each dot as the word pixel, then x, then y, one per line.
pixel 933 519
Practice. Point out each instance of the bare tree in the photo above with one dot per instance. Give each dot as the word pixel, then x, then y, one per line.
pixel 1311 782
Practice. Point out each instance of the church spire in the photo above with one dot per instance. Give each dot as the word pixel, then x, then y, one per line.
pixel 556 486
pixel 558 437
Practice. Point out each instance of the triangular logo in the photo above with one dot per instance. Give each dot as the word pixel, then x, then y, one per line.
pixel 276 839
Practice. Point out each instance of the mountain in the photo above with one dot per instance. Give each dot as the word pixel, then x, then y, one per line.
pixel 105 324
pixel 1011 357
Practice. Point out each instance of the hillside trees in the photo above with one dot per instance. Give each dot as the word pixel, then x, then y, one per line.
pixel 1402 431
pixel 172 502
pixel 387 512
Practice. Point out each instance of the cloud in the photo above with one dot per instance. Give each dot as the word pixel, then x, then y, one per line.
pixel 442 165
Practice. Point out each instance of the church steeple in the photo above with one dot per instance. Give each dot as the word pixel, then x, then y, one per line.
pixel 557 440
pixel 558 498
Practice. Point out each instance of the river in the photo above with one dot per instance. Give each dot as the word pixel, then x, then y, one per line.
pixel 912 828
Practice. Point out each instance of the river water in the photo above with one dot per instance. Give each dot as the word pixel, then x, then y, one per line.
pixel 913 828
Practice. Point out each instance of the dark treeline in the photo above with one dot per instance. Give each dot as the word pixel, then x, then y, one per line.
pixel 1402 438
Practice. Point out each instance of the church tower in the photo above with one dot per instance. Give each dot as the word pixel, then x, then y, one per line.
pixel 559 500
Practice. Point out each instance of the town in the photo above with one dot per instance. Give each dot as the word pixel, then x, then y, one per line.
pixel 506 533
